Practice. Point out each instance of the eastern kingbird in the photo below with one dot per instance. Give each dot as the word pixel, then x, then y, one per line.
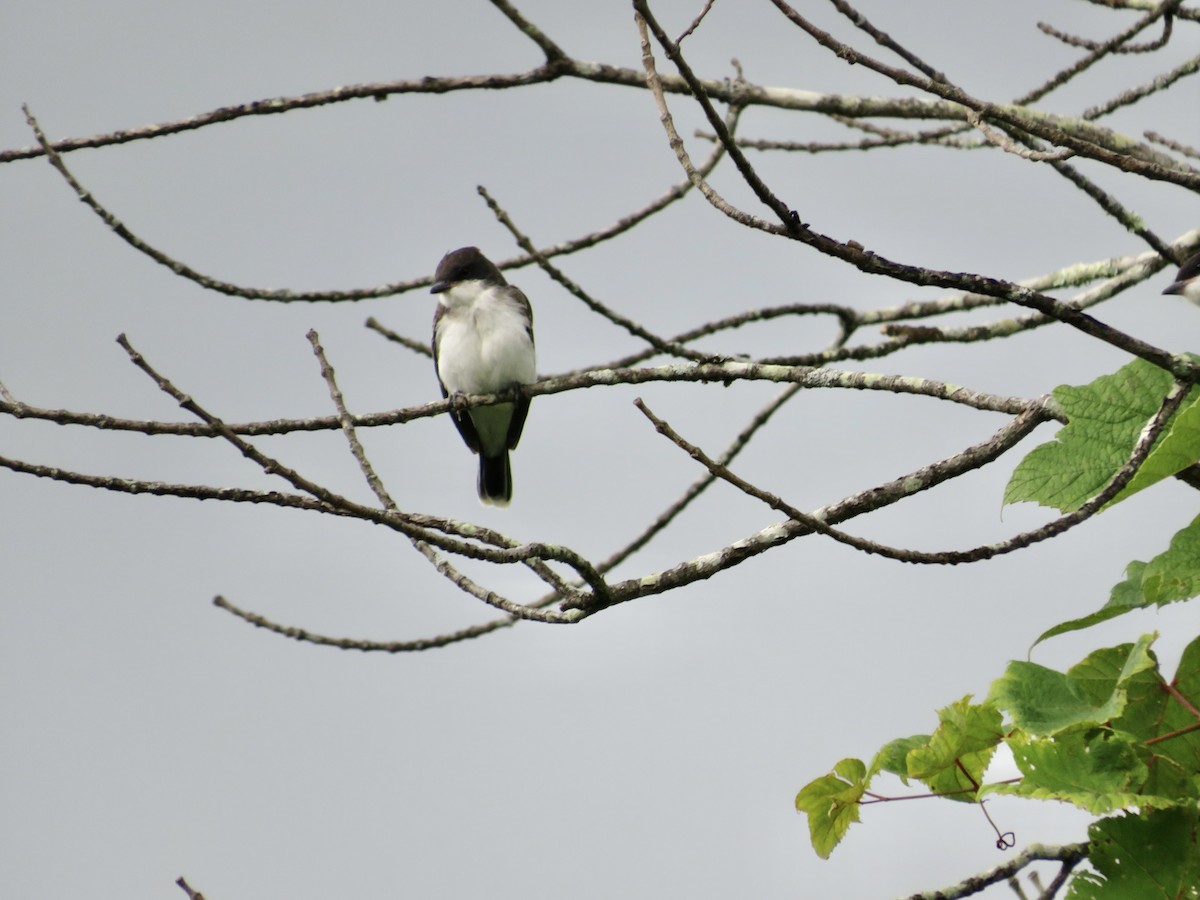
pixel 483 344
pixel 1187 282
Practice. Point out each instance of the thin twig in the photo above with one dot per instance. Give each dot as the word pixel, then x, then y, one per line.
pixel 413 646
pixel 1141 91
pixel 697 487
pixel 208 282
pixel 814 522
pixel 869 261
pixel 575 290
pixel 554 53
pixel 1140 160
pixel 885 40
pixel 997 139
pixel 167 489
pixel 708 4
pixel 1183 149
pixel 1073 40
pixel 1101 50
pixel 1067 854
pixel 347 424
pixel 811 522
pixel 406 524
pixel 772 536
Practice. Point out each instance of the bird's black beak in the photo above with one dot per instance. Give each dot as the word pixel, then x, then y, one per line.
pixel 439 287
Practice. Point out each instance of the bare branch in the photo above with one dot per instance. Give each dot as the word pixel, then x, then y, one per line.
pixel 1134 94
pixel 696 488
pixel 167 489
pixel 656 84
pixel 543 571
pixel 708 4
pixel 1099 46
pixel 1070 855
pixel 708 565
pixel 276 105
pixel 708 373
pixel 1099 51
pixel 645 19
pixel 554 53
pixel 352 294
pixel 736 93
pixel 309 637
pixel 347 424
pixel 1182 149
pixel 1141 160
pixel 620 556
pixel 421 348
pixel 1008 146
pixel 420 527
pixel 671 349
pixel 885 40
pixel 869 261
pixel 814 522
pixel 1148 5
pixel 1132 223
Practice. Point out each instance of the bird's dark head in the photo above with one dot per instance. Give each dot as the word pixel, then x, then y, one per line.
pixel 464 264
pixel 1187 282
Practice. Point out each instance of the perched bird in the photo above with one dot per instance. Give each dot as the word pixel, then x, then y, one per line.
pixel 483 344
pixel 1187 282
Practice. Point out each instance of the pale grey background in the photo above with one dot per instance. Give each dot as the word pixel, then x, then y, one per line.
pixel 655 750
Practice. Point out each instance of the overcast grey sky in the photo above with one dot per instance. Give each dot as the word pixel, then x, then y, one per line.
pixel 654 750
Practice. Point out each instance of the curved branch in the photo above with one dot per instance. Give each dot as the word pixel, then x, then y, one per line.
pixel 1070 855
pixel 1105 47
pixel 638 331
pixel 625 223
pixel 510 551
pixel 539 568
pixel 885 40
pixel 311 637
pixel 1138 159
pixel 709 564
pixel 706 373
pixel 735 93
pixel 868 261
pixel 1153 430
pixel 554 53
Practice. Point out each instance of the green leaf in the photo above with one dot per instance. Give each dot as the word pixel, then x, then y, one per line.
pixel 1104 419
pixel 1104 671
pixel 1149 856
pixel 1152 713
pixel 959 750
pixel 1112 734
pixel 1043 701
pixel 831 804
pixel 1093 768
pixel 1165 729
pixel 1175 573
pixel 1177 449
pixel 893 756
pixel 1125 597
pixel 1171 576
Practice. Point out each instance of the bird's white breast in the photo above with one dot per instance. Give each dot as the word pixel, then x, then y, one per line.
pixel 483 340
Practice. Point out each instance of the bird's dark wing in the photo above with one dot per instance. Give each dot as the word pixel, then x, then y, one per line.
pixel 462 421
pixel 517 423
pixel 521 407
pixel 517 296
